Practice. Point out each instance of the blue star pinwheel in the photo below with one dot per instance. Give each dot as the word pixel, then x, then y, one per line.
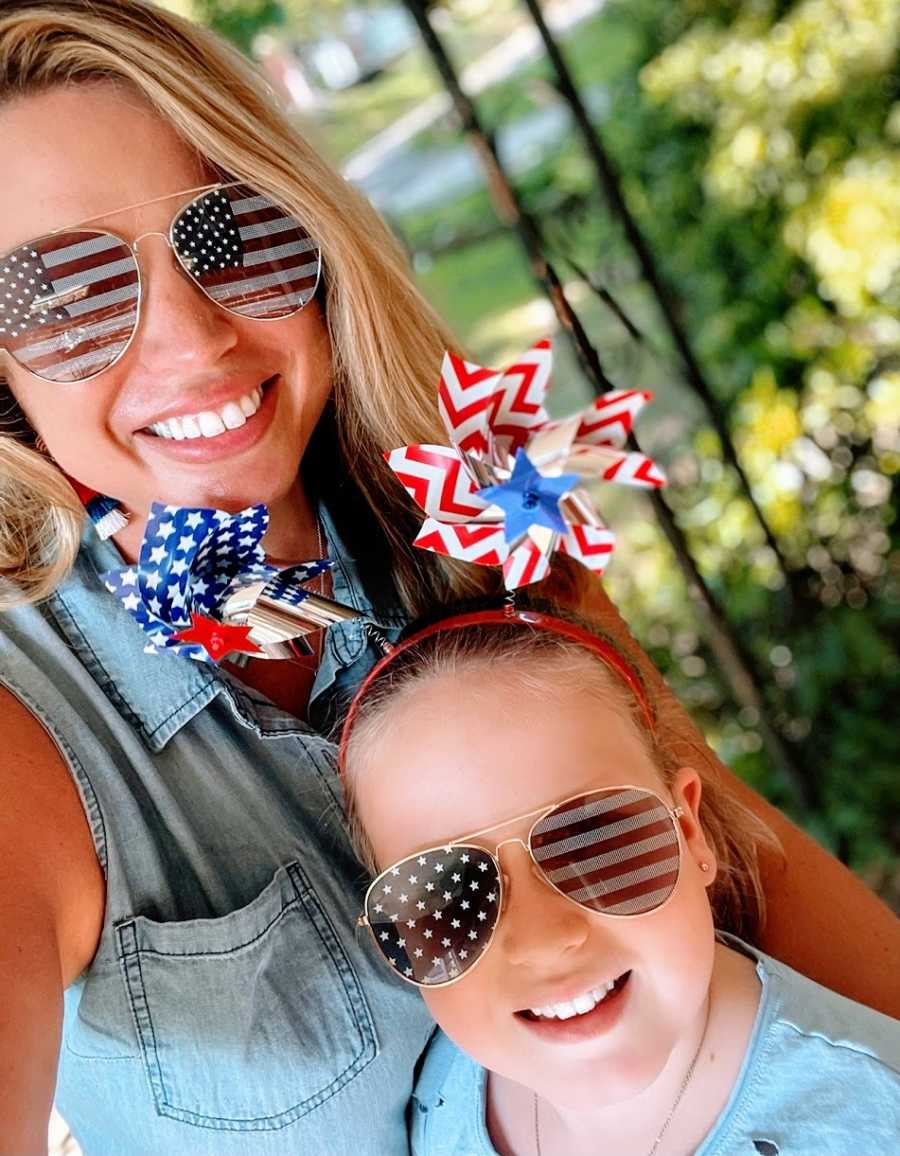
pixel 486 502
pixel 192 563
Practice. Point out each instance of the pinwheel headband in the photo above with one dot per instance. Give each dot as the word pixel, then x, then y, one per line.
pixel 508 490
pixel 505 616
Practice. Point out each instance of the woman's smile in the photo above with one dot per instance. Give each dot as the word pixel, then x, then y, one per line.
pixel 218 430
pixel 209 422
pixel 206 407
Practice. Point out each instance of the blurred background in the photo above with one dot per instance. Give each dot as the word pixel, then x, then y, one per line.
pixel 709 192
pixel 753 149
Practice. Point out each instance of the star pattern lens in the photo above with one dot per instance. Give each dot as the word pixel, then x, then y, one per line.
pixel 433 915
pixel 614 851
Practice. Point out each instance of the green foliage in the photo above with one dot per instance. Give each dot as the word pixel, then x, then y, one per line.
pixel 786 260
pixel 762 140
pixel 757 146
pixel 240 21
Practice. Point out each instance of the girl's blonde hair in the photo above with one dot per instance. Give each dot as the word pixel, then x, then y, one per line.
pixel 540 660
pixel 387 342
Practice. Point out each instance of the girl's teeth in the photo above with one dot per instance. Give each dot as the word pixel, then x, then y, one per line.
pixel 210 423
pixel 574 1007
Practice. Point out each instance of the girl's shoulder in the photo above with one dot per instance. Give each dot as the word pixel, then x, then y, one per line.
pixel 448 1104
pixel 798 1009
pixel 821 1073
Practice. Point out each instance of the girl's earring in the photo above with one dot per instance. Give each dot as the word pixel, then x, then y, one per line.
pixel 704 866
pixel 106 513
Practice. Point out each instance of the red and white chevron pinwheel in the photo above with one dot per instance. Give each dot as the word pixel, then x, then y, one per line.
pixel 500 433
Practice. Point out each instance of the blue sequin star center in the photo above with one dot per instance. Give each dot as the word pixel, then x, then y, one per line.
pixel 529 498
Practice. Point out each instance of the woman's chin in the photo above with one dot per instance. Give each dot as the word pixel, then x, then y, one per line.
pixel 210 496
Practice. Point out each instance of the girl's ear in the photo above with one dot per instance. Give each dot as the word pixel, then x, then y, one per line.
pixel 686 789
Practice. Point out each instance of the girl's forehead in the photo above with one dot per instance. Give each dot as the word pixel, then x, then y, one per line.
pixel 460 753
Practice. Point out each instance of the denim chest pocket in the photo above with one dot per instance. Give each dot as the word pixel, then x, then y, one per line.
pixel 249 1021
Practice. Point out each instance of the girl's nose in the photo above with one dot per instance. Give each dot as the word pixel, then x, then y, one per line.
pixel 538 925
pixel 179 328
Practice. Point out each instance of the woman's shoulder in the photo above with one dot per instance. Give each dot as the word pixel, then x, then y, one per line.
pixel 48 846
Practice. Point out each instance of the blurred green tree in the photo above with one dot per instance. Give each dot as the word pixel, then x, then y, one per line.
pixel 240 21
pixel 757 141
pixel 763 136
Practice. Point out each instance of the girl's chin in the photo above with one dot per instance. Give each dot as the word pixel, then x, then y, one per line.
pixel 590 1084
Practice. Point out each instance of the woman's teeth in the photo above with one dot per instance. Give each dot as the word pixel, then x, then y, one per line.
pixel 578 1006
pixel 211 422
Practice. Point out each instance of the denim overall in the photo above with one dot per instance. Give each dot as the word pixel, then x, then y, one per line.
pixel 233 1008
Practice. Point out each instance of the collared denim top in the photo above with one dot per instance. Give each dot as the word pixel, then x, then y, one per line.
pixel 233 1008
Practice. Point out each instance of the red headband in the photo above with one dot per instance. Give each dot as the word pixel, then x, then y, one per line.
pixel 507 616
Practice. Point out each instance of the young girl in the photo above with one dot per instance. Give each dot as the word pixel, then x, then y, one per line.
pixel 551 880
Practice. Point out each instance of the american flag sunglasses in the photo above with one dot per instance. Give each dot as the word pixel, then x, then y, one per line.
pixel 614 852
pixel 70 301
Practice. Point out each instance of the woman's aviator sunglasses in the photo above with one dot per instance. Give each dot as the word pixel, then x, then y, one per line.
pixel 615 851
pixel 70 301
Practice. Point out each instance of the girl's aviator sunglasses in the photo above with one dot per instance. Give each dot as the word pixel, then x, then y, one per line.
pixel 615 851
pixel 70 301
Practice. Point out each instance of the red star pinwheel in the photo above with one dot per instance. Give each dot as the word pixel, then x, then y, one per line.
pixel 507 491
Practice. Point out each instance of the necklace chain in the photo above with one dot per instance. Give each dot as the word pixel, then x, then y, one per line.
pixel 672 1110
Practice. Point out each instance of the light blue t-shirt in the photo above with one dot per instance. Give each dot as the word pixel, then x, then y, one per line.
pixel 821 1077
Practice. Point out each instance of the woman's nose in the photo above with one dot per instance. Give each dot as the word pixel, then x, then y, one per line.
pixel 179 326
pixel 537 924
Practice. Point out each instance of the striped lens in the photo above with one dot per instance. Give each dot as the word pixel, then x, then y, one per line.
pixel 246 254
pixel 68 303
pixel 614 851
pixel 433 915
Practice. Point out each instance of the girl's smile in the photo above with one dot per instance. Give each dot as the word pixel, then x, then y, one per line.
pixel 601 988
pixel 594 1012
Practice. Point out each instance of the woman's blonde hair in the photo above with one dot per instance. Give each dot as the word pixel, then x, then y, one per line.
pixel 546 662
pixel 387 342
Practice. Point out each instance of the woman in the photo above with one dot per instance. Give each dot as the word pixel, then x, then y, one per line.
pixel 178 894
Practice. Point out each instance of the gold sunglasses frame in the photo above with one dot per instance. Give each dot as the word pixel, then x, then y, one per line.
pixel 674 814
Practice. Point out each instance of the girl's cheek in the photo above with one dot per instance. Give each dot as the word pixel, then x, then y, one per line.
pixel 462 1012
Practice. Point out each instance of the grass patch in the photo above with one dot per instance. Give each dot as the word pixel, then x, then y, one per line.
pixel 470 285
pixel 358 114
